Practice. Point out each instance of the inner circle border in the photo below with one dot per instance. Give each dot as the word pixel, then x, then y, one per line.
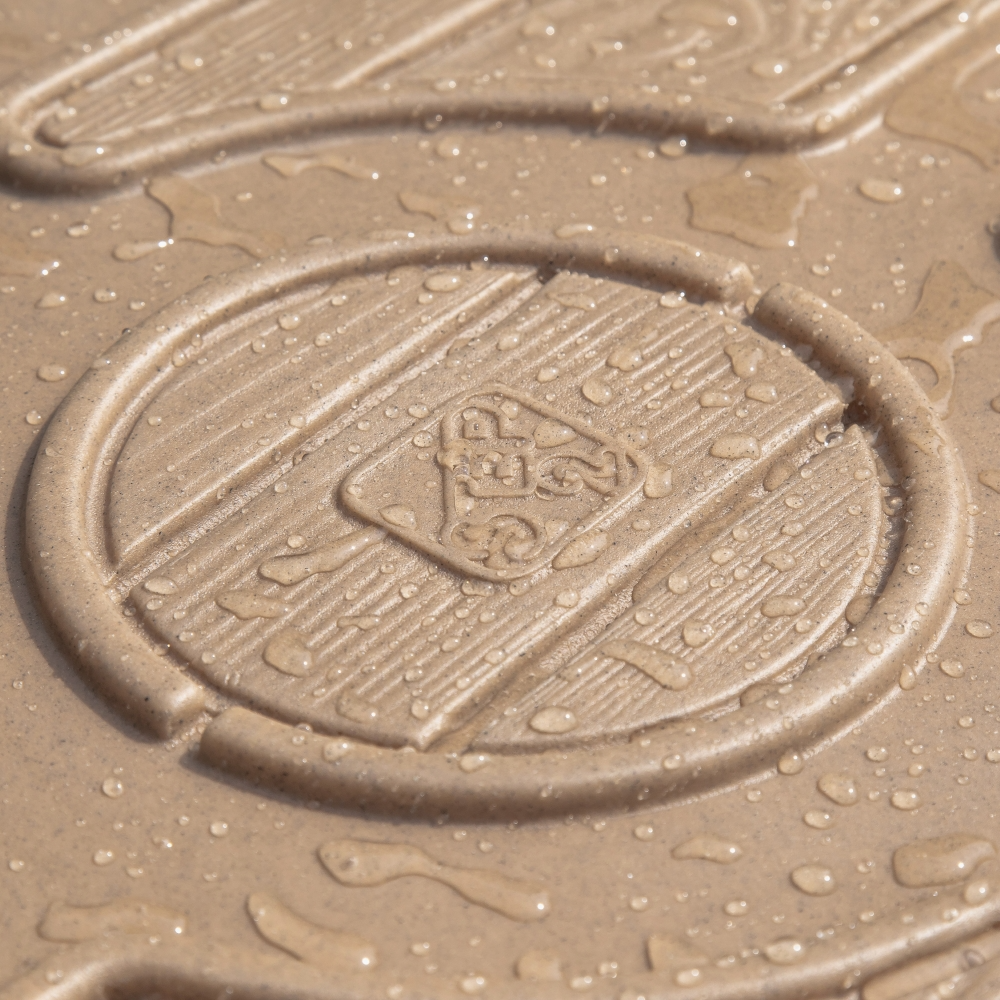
pixel 74 577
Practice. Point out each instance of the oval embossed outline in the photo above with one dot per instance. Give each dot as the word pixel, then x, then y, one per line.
pixel 64 521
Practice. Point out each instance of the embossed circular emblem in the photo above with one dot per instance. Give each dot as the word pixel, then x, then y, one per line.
pixel 498 525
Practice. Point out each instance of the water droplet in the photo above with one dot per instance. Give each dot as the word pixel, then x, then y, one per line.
pixel 567 599
pixel 953 668
pixel 288 653
pixel 103 858
pixel 443 282
pixel 781 606
pixel 977 892
pixel 625 358
pixel 547 374
pixel 661 667
pixel 877 754
pixel 33 417
pixel 553 720
pixel 160 585
pixel 674 147
pixel 745 357
pixel 273 102
pixel 582 550
pixel 818 819
pixel 708 847
pixel 878 189
pixel 785 951
pixel 813 880
pixel 735 446
pixel 51 300
pixel 791 762
pixel 52 373
pixel 551 433
pixel 113 788
pixel 246 605
pixel 839 788
pixel 940 860
pixel 696 633
pixel 364 863
pixel 334 952
pixel 979 629
pixel 471 762
pixel 644 832
pixel 659 481
pixel 597 391
pixel 678 583
pixel 905 799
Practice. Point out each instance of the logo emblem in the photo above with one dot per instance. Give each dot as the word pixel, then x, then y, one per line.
pixel 515 476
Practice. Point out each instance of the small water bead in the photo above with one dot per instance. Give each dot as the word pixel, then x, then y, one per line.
pixel 52 373
pixel 953 668
pixel 977 892
pixel 791 762
pixel 553 720
pixel 905 799
pixel 993 756
pixel 443 282
pixel 737 908
pixel 33 417
pixel 696 633
pixel 878 189
pixel 51 300
pixel 966 722
pixel 785 951
pixel 754 795
pixel 644 831
pixel 839 788
pixel 103 858
pixel 219 828
pixel 678 583
pixel 547 374
pixel 962 597
pixel 644 616
pixel 813 880
pixel 877 753
pixel 979 629
pixel 112 788
pixel 818 819
pixel 16 865
pixel 567 599
pixel 472 984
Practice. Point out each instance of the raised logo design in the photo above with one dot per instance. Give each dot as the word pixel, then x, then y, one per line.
pixel 515 475
pixel 557 525
pixel 214 75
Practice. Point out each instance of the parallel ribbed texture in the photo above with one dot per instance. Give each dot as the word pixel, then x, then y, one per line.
pixel 841 523
pixel 762 53
pixel 438 655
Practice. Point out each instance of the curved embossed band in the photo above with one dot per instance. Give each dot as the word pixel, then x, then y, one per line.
pixel 75 571
pixel 57 131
